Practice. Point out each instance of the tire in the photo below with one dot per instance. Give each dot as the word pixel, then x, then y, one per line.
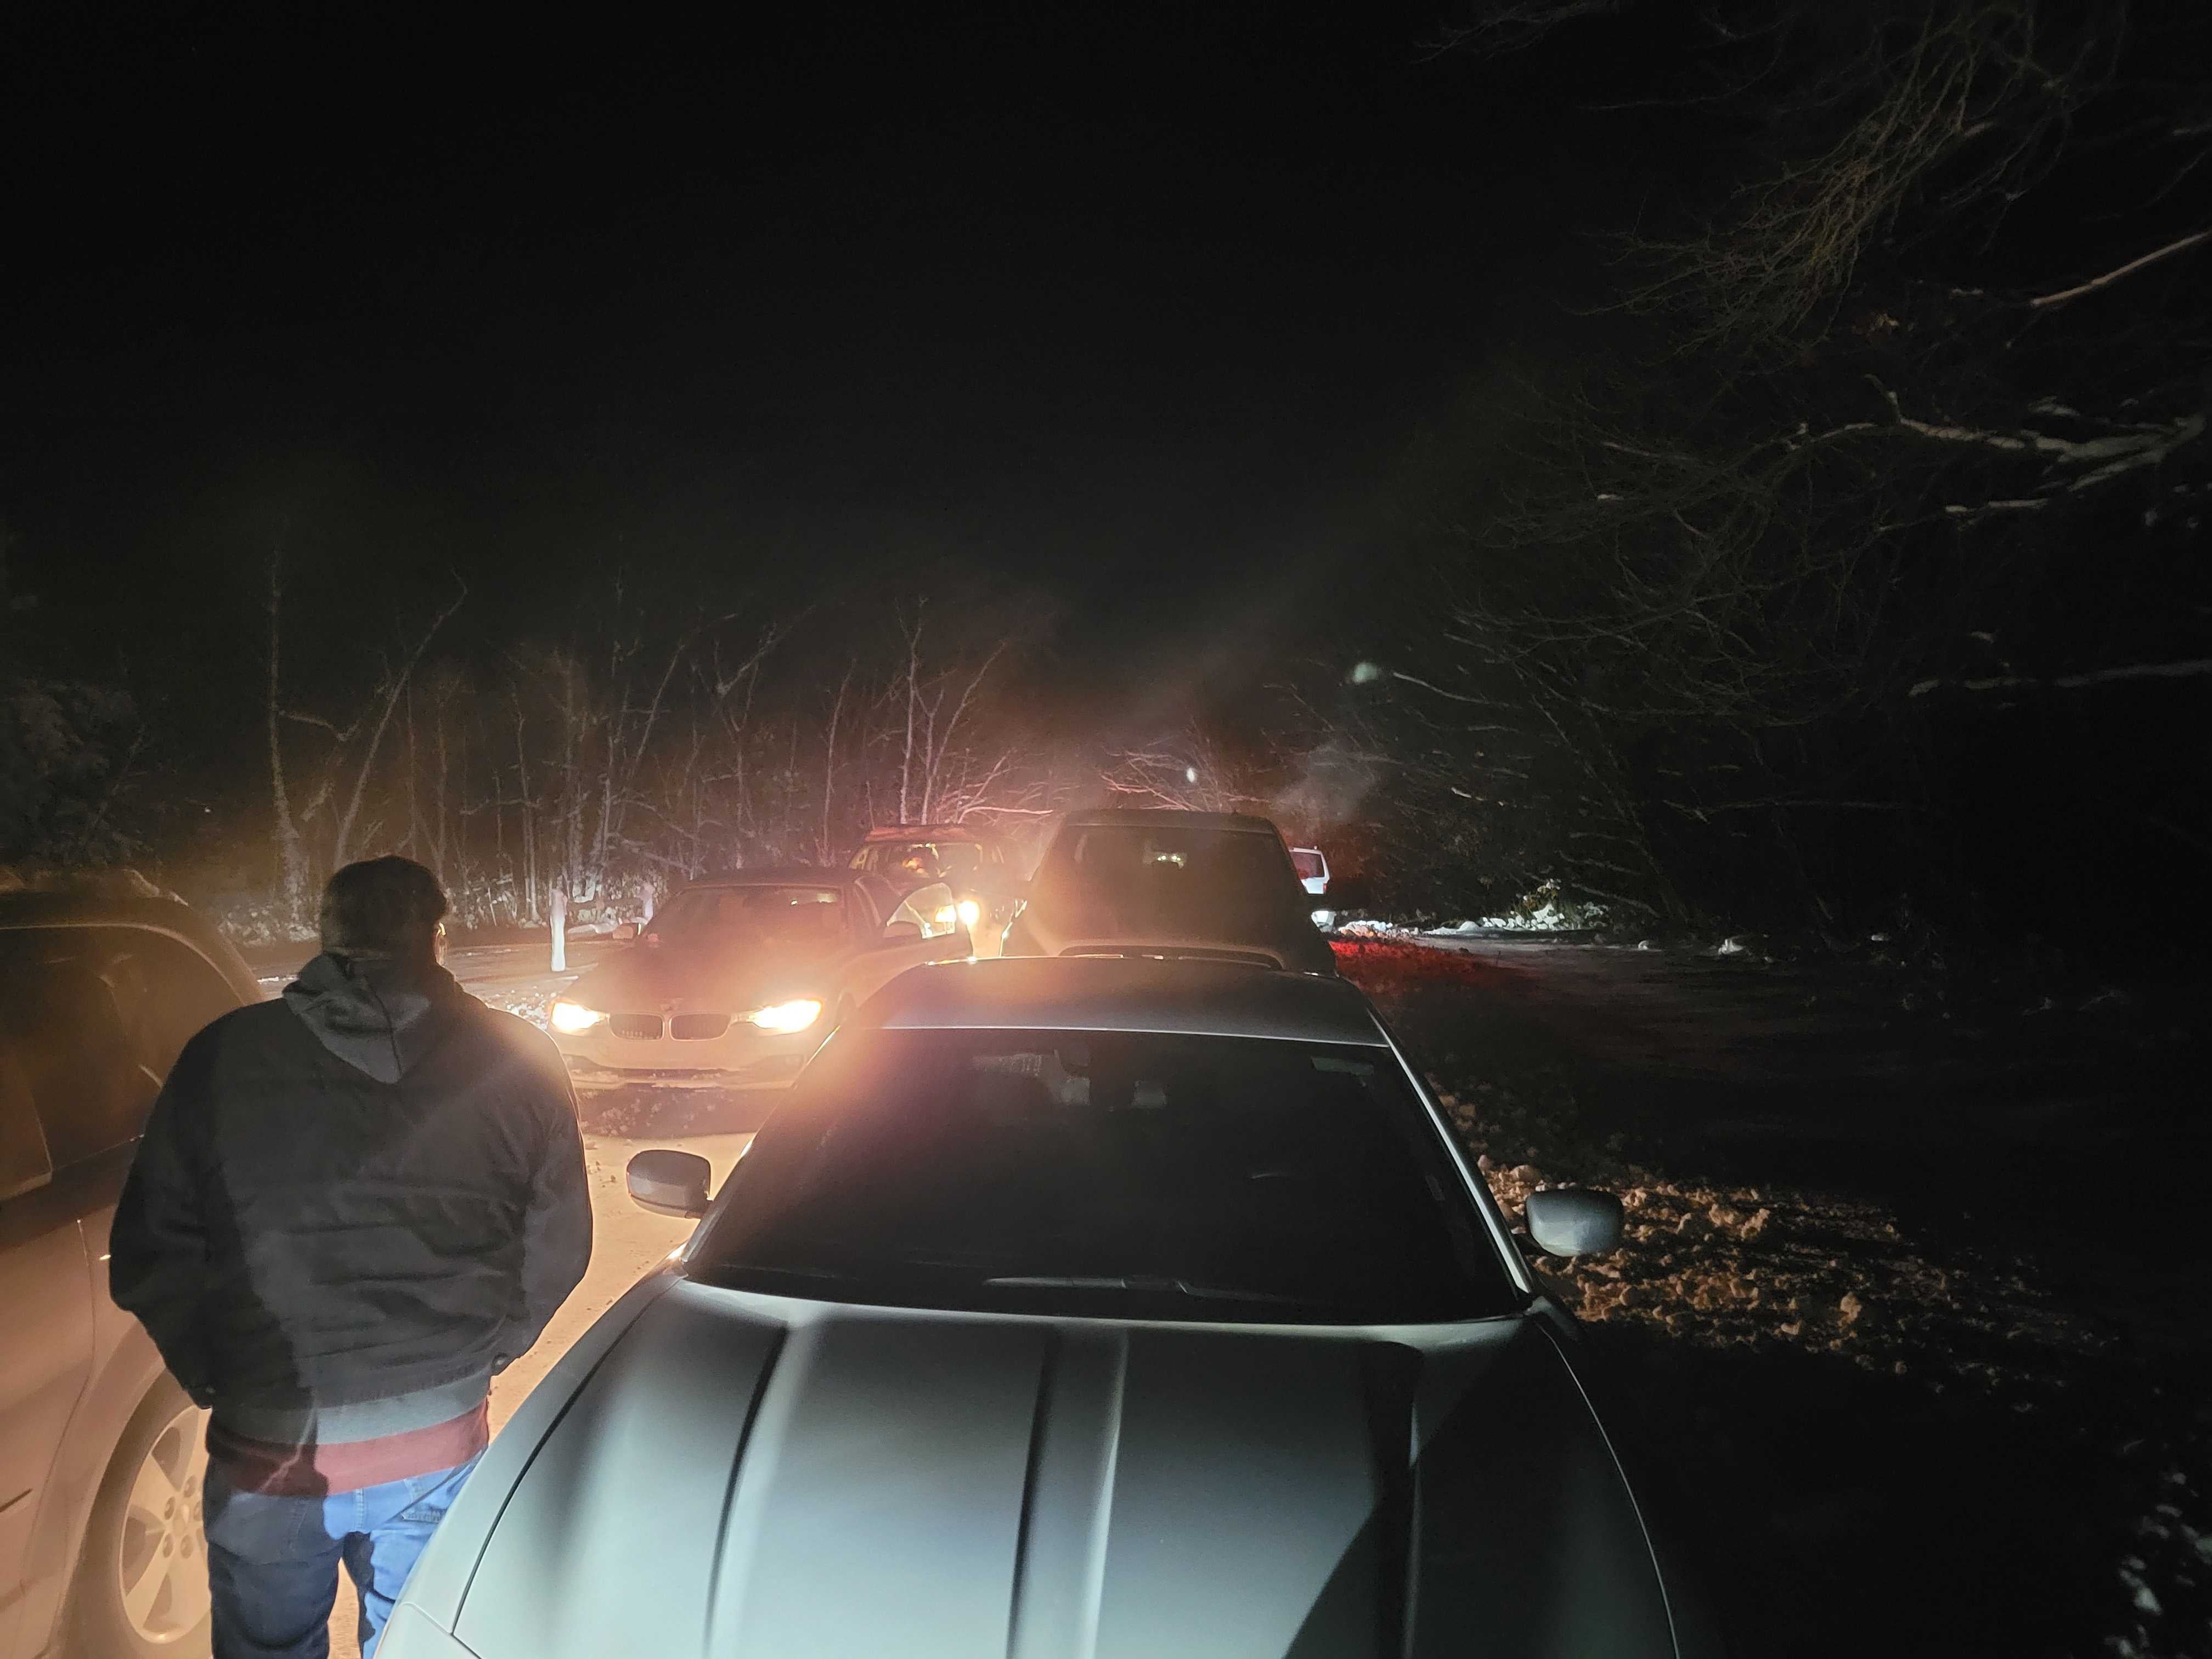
pixel 142 1582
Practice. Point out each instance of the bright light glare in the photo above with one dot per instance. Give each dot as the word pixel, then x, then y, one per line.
pixel 573 1018
pixel 787 1016
pixel 970 913
pixel 1324 918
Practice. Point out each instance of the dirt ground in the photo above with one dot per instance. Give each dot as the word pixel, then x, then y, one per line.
pixel 1911 1310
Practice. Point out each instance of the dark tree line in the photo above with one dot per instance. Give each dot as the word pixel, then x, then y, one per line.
pixel 1852 563
pixel 650 744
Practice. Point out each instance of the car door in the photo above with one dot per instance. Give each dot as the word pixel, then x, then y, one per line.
pixel 924 927
pixel 162 991
pixel 46 1291
pixel 92 1018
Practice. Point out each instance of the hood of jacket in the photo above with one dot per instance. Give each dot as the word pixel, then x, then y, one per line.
pixel 374 1013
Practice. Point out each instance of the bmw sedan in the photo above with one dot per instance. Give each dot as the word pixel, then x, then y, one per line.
pixel 1110 1308
pixel 738 978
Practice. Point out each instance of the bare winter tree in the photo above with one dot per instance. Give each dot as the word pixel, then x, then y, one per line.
pixel 349 762
pixel 1895 411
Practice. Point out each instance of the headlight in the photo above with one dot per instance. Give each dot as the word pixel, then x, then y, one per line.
pixel 970 913
pixel 573 1018
pixel 787 1016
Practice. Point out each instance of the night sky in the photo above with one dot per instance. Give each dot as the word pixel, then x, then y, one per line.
pixel 1137 307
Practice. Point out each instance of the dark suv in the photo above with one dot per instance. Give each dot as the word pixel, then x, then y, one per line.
pixel 101 981
pixel 1204 887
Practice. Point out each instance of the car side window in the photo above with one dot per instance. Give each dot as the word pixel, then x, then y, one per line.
pixel 24 1165
pixel 930 909
pixel 165 990
pixel 92 1092
pixel 94 1019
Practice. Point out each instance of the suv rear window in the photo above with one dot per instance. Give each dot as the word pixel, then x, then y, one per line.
pixel 1155 879
pixel 1116 1175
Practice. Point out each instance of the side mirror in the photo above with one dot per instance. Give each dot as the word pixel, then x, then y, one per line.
pixel 670 1183
pixel 902 932
pixel 627 931
pixel 1573 1221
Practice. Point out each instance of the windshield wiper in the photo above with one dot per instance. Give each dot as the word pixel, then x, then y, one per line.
pixel 1132 1282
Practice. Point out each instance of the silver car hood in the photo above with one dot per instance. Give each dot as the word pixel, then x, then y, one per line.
pixel 754 1477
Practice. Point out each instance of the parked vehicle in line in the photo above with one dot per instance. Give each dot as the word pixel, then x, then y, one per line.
pixel 1115 1307
pixel 102 982
pixel 1207 886
pixel 736 980
pixel 975 863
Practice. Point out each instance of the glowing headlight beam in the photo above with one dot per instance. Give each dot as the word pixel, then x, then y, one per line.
pixel 970 913
pixel 573 1018
pixel 795 1016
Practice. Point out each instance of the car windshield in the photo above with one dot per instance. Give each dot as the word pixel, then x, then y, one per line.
pixel 709 916
pixel 1129 879
pixel 924 861
pixel 1107 1174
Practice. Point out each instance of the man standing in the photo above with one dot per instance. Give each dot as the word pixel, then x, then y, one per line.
pixel 351 1209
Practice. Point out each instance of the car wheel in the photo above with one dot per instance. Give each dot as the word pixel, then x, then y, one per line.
pixel 141 1580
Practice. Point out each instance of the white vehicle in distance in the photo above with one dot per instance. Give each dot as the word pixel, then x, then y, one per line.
pixel 972 862
pixel 1312 866
pixel 738 978
pixel 1126 1308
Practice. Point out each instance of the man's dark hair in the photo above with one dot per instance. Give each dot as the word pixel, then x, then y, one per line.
pixel 387 906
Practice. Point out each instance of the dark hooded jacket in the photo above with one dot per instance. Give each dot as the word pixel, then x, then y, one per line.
pixel 372 1186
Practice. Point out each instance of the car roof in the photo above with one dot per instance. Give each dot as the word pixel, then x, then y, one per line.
pixel 1172 817
pixel 1122 994
pixel 781 875
pixel 122 900
pixel 928 832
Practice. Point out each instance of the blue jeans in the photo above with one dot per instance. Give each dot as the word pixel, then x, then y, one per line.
pixel 273 1562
